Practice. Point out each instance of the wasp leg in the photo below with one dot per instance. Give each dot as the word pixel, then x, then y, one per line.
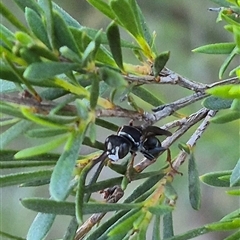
pixel 169 160
pixel 130 169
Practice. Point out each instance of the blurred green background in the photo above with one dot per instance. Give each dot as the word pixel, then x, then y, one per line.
pixel 180 26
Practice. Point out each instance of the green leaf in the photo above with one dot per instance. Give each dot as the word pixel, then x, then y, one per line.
pixel 225 118
pixel 42 70
pixel 36 25
pixel 70 21
pixel 194 184
pixel 167 225
pixel 94 91
pixel 147 96
pixel 92 134
pixel 11 18
pixel 50 206
pixel 13 132
pixel 10 236
pixel 231 216
pixel 236 32
pixel 160 209
pixel 63 35
pixel 235 192
pixel 25 164
pixel 170 192
pixel 126 16
pixel 112 78
pixel 227 62
pixel 216 48
pixel 214 178
pixel 143 24
pixel 226 225
pixel 234 236
pixel 114 40
pixel 229 91
pixel 31 4
pixel 40 226
pixel 235 176
pixel 45 132
pixel 216 103
pixel 103 7
pixel 71 230
pixel 160 62
pixel 70 55
pixel 62 174
pixel 40 149
pixel 29 56
pixel 48 19
pixel 125 224
pixel 7 37
pixel 24 38
pixel 156 231
pixel 8 155
pixel 24 177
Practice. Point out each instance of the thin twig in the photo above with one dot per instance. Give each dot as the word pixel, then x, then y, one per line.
pixel 181 158
pixel 113 196
pixel 186 124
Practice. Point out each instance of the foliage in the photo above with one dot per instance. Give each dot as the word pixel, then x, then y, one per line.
pixel 69 78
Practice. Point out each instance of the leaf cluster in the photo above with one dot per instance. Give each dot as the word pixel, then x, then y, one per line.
pixel 69 76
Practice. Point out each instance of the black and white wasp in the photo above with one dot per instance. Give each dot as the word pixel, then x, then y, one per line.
pixel 132 139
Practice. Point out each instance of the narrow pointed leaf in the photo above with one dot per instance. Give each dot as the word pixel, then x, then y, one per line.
pixel 227 117
pixel 235 176
pixel 168 226
pixel 46 5
pixel 214 179
pixel 160 62
pixel 66 16
pixel 114 40
pixel 45 132
pixel 216 48
pixel 62 174
pixel 8 155
pixel 94 92
pixel 42 70
pixel 232 215
pixel 147 96
pixel 10 236
pixel 80 193
pixel 227 91
pixel 227 62
pixel 63 35
pixel 14 131
pixel 25 164
pixel 234 236
pixel 103 7
pixel 71 230
pixel 228 225
pixel 40 226
pixel 36 25
pixel 156 228
pixel 50 206
pixel 126 16
pixel 124 226
pixel 194 184
pixel 160 209
pixel 112 78
pixel 24 177
pixel 31 4
pixel 11 18
pixel 40 149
